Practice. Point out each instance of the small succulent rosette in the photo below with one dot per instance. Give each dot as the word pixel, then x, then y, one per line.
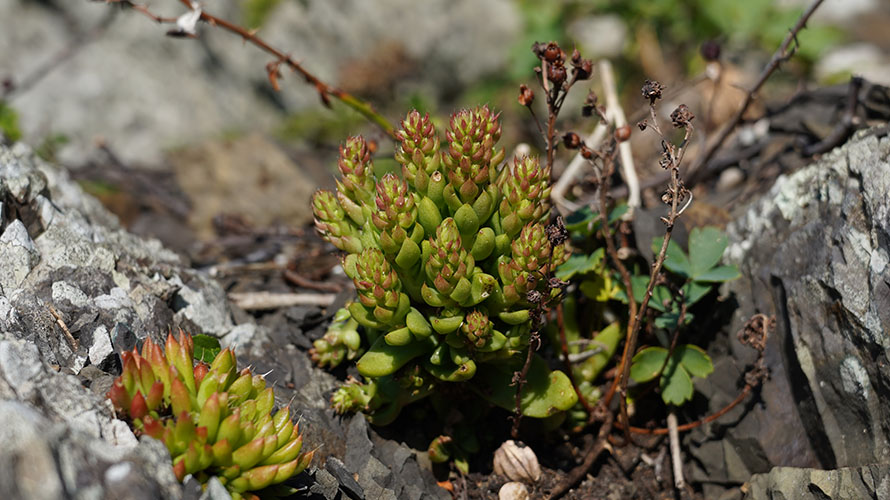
pixel 214 419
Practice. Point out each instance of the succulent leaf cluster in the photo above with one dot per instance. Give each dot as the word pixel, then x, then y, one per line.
pixel 214 419
pixel 448 260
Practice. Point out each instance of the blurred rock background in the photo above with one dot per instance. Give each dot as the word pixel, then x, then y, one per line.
pixel 160 128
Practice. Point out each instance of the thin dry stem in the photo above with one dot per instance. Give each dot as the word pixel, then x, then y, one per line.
pixel 785 51
pixel 676 459
pixel 324 90
pixel 59 321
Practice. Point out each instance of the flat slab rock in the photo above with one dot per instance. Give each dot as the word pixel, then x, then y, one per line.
pixel 64 258
pixel 870 481
pixel 815 252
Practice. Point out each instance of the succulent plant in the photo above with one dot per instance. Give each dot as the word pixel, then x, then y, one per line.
pixel 214 420
pixel 448 260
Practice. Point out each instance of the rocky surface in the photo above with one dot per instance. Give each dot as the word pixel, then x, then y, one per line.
pixel 75 291
pixel 813 251
pixel 866 482
pixel 112 73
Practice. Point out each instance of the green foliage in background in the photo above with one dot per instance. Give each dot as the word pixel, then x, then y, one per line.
pixel 691 277
pixel 9 122
pixel 760 22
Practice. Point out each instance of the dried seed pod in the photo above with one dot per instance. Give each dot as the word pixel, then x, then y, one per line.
pixel 513 491
pixel 517 462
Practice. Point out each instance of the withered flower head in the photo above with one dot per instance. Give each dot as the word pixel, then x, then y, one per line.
pixel 652 90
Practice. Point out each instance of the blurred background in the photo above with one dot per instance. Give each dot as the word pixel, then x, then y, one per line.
pixel 186 139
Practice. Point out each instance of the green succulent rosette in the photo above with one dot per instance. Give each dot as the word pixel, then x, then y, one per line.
pixel 525 186
pixel 443 259
pixel 395 221
pixel 418 150
pixel 355 187
pixel 213 419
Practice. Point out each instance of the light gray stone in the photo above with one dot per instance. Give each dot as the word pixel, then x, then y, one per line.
pixel 18 253
pixel 849 483
pixel 101 347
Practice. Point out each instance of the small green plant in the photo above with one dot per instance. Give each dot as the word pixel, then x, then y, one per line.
pixel 693 277
pixel 214 420
pixel 451 262
pixel 675 373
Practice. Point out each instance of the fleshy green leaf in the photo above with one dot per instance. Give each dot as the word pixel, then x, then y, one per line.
pixel 706 246
pixel 384 359
pixel 675 259
pixel 646 363
pixel 206 347
pixel 694 360
pixel 545 392
pixel 676 386
pixel 717 274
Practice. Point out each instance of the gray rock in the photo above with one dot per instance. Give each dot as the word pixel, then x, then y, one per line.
pixel 112 290
pixel 181 91
pixel 848 483
pixel 18 252
pixel 101 347
pixel 325 485
pixel 813 251
pixel 347 483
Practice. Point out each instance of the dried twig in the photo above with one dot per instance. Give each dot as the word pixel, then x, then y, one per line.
pixel 785 51
pixel 303 282
pixel 59 321
pixel 616 115
pixel 256 301
pixel 676 459
pixel 325 91
pixel 672 157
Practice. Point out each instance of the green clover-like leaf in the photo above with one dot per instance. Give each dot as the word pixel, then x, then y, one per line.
pixel 580 264
pixel 646 363
pixel 694 360
pixel 719 274
pixel 706 246
pixel 676 385
pixel 694 291
pixel 206 347
pixel 675 259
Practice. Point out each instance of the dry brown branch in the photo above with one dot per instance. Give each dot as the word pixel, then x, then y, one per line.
pixel 785 51
pixel 325 91
pixel 671 159
pixel 59 321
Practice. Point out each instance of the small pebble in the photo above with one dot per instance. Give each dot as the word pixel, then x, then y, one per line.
pixel 513 491
pixel 730 178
